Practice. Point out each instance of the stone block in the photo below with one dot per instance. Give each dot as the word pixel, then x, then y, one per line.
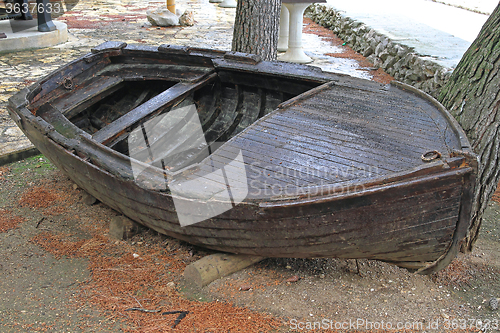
pixel 389 62
pixel 367 51
pixel 162 17
pixel 187 19
pixel 383 55
pixel 88 199
pixel 122 228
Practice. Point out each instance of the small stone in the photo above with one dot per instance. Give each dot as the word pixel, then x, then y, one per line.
pixel 121 228
pixel 162 17
pixel 75 186
pixel 88 199
pixel 493 303
pixel 288 267
pixel 294 278
pixel 135 255
pixel 187 19
pixel 171 285
pixel 245 287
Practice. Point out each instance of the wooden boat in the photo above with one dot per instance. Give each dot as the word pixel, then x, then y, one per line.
pixel 292 161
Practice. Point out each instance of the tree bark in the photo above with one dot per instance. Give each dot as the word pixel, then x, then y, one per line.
pixel 473 97
pixel 256 27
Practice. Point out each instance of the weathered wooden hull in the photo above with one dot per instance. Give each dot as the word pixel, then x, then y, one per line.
pixel 415 218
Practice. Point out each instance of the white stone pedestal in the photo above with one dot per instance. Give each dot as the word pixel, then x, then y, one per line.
pixel 28 37
pixel 284 24
pixel 295 53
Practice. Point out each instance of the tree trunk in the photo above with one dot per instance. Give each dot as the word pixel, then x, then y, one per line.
pixel 473 97
pixel 256 27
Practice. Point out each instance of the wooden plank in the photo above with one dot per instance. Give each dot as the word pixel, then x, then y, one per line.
pixel 306 95
pixel 349 133
pixel 252 102
pixel 326 137
pixel 61 124
pixel 208 101
pixel 327 144
pixel 403 106
pixel 167 134
pixel 148 109
pixel 121 227
pixel 279 171
pixel 405 110
pixel 225 131
pixel 350 159
pixel 379 146
pixel 246 113
pixel 351 116
pixel 293 167
pixel 267 82
pixel 257 178
pixel 270 102
pixel 230 100
pixel 335 246
pixel 215 266
pixel 279 70
pixel 79 71
pixel 361 126
pixel 334 109
pixel 143 71
pixel 230 107
pixel 87 94
pixel 309 159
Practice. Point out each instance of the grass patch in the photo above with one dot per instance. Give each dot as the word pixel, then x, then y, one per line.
pixel 38 164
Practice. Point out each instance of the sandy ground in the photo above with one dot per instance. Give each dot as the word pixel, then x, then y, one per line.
pixel 62 273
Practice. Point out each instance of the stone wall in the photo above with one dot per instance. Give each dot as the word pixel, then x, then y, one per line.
pixel 398 60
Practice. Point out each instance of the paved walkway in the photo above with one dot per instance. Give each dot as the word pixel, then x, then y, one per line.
pixel 92 22
pixel 435 29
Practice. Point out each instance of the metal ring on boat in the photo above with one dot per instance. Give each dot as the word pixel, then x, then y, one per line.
pixel 431 156
pixel 68 83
